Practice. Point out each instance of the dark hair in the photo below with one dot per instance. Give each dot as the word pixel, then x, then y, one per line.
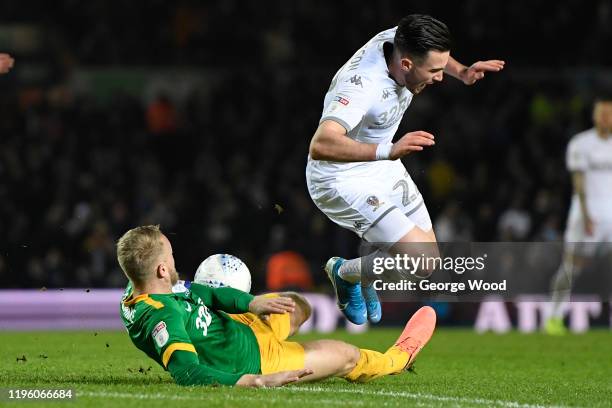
pixel 418 33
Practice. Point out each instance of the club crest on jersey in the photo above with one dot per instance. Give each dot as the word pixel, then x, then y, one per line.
pixel 342 100
pixel 160 334
pixel 374 202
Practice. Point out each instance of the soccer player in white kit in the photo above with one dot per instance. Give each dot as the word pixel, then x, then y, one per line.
pixel 589 223
pixel 353 172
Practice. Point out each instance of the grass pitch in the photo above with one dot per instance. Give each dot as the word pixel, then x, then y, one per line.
pixel 458 368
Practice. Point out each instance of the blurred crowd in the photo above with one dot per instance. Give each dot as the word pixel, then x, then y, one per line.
pixel 224 171
pixel 308 32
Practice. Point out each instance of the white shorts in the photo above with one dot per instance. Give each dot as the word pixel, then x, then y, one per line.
pixel 576 238
pixel 380 208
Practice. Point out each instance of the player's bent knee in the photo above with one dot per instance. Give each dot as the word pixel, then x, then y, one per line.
pixel 417 243
pixel 352 355
pixel 331 357
pixel 302 306
pixel 302 312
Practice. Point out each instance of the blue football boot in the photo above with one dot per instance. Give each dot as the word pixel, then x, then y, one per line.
pixel 350 301
pixel 372 303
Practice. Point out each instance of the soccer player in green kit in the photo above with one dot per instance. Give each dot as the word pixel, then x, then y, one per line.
pixel 226 336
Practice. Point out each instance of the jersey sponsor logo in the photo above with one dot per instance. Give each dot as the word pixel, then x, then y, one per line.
pixel 160 334
pixel 342 100
pixel 374 202
pixel 356 80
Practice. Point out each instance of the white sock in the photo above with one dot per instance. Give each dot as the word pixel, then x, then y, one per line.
pixel 350 270
pixel 561 288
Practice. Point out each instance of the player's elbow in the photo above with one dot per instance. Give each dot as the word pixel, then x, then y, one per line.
pixel 189 376
pixel 317 149
pixel 326 142
pixel 182 378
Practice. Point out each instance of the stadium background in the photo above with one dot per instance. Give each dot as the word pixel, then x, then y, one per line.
pixel 198 116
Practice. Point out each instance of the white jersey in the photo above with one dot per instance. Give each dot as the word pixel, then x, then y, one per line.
pixel 592 155
pixel 368 103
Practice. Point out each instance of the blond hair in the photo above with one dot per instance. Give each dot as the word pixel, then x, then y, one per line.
pixel 137 251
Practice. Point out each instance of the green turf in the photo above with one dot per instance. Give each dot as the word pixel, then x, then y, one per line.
pixel 458 368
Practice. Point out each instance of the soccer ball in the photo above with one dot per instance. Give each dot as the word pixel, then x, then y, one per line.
pixel 221 270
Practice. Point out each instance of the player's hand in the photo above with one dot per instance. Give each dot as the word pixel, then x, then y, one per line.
pixel 262 305
pixel 411 142
pixel 273 380
pixel 589 227
pixel 478 69
pixel 6 63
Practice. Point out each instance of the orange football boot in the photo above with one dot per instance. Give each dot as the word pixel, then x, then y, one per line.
pixel 417 333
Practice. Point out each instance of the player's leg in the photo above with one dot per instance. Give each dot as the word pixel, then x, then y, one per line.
pixel 347 205
pixel 282 325
pixel 403 226
pixel 395 232
pixel 561 289
pixel 392 212
pixel 380 211
pixel 419 241
pixel 336 200
pixel 329 358
pixel 575 256
pixel 348 292
pixel 286 324
pixel 302 311
pixel 335 358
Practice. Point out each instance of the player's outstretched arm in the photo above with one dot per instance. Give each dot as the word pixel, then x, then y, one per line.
pixel 262 305
pixel 226 299
pixel 232 300
pixel 331 143
pixel 6 63
pixel 185 369
pixel 475 72
pixel 272 380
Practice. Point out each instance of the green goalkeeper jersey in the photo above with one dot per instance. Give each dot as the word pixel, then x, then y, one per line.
pixel 190 334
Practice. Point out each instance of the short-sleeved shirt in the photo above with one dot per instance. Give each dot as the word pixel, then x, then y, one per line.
pixel 367 102
pixel 591 154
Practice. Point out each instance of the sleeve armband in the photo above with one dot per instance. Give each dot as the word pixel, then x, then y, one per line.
pixel 174 347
